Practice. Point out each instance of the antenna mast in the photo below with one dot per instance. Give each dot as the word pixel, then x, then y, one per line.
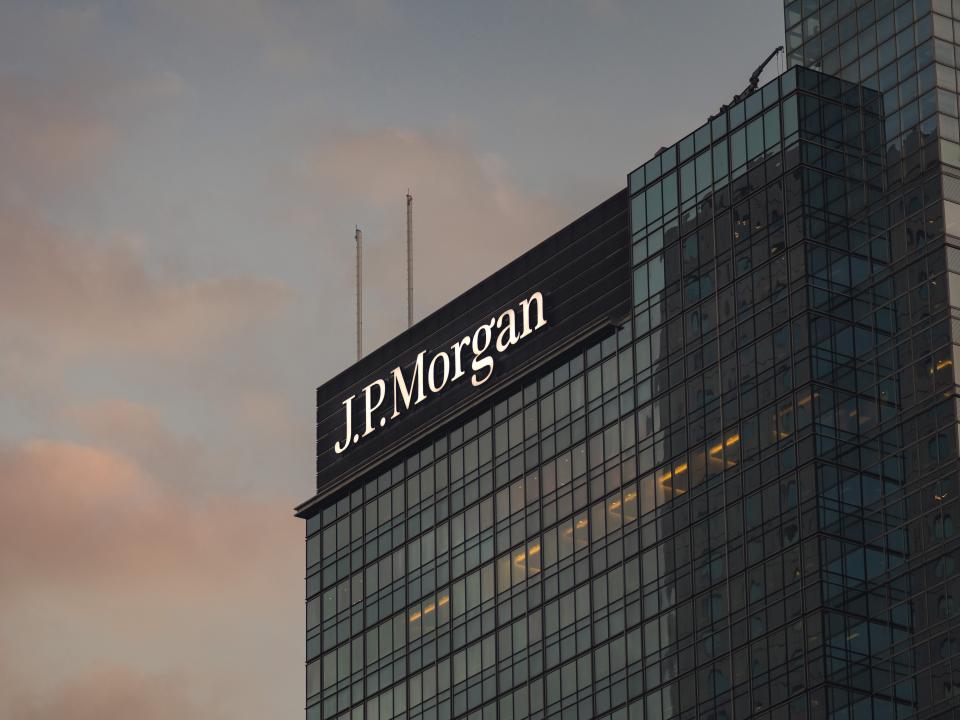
pixel 409 258
pixel 358 236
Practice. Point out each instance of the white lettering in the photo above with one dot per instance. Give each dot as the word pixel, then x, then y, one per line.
pixel 457 365
pixel 525 306
pixel 348 404
pixel 444 368
pixel 509 330
pixel 406 391
pixel 479 348
pixel 437 387
pixel 369 407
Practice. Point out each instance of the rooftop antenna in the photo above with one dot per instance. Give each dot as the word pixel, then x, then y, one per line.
pixel 409 258
pixel 358 236
pixel 753 84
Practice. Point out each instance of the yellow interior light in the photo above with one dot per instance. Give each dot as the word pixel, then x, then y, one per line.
pixel 807 398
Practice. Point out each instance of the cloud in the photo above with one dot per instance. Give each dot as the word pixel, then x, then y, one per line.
pixel 109 693
pixel 50 139
pixel 57 135
pixel 126 596
pixel 69 109
pixel 86 514
pixel 270 416
pixel 138 432
pixel 248 432
pixel 79 295
pixel 66 291
pixel 469 216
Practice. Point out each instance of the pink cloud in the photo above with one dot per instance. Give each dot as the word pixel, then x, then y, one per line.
pixel 88 514
pixel 91 294
pixel 125 597
pixel 109 693
pixel 137 431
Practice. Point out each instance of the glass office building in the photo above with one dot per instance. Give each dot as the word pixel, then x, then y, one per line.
pixel 719 482
pixel 887 484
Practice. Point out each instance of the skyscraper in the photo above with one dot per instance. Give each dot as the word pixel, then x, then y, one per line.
pixel 694 456
pixel 887 482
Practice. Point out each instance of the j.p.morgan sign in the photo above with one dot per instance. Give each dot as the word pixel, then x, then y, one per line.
pixel 386 399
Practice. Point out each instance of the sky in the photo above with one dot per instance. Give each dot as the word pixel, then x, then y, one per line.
pixel 179 186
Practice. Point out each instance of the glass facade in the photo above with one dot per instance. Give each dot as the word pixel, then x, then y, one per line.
pixel 883 366
pixel 494 572
pixel 740 504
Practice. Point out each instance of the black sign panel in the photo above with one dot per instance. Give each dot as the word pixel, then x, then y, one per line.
pixel 583 273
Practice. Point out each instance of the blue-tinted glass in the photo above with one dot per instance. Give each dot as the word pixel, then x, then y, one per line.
pixel 718 126
pixel 907 65
pixel 669 192
pixel 790 119
pixel 754 138
pixel 888 77
pixel 928 104
pixel 654 203
pixel 669 159
pixel 905 41
pixel 703 169
pixel 655 241
pixel 688 182
pixel 656 274
pixel 641 289
pixel 788 82
pixel 771 93
pixel 885 28
pixel 652 169
pixel 738 148
pixel 701 138
pixel 849 52
pixel 886 53
pixel 868 67
pixel 720 161
pixel 924 29
pixel 909 115
pixel 736 115
pixel 925 54
pixel 638 211
pixel 903 16
pixel 771 127
pixel 686 147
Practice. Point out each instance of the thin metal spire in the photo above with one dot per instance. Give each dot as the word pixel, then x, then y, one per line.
pixel 409 258
pixel 358 236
